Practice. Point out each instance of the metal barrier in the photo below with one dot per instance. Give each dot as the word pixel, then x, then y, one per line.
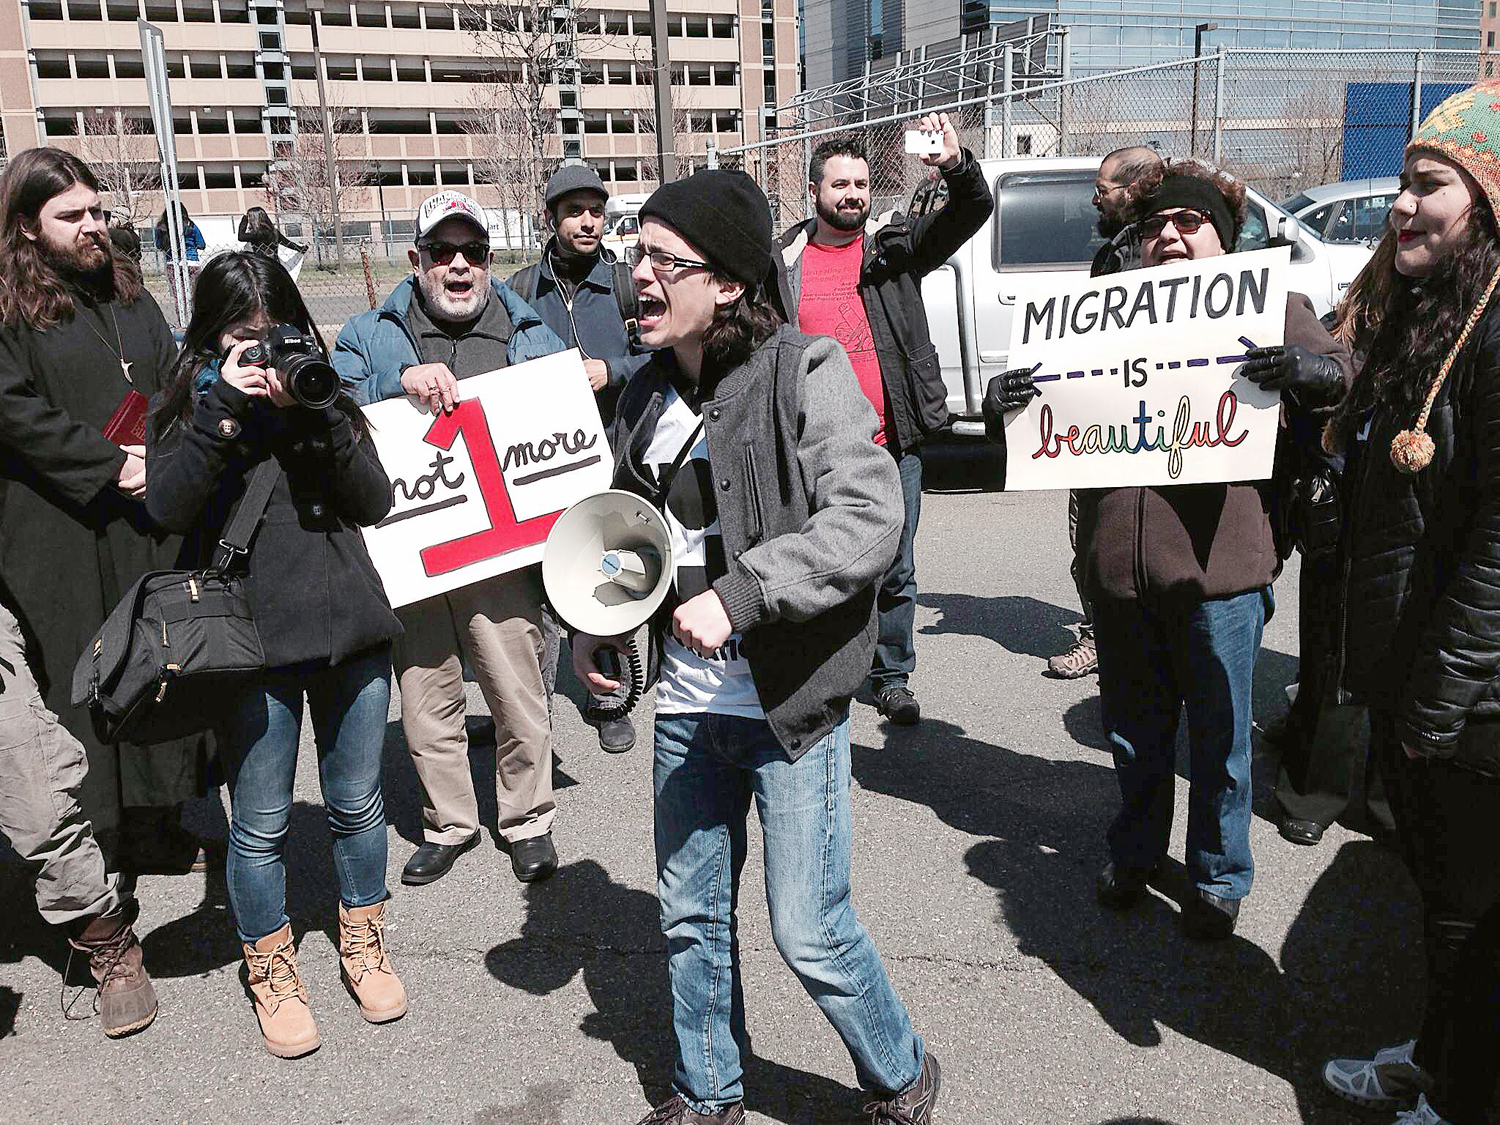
pixel 1282 120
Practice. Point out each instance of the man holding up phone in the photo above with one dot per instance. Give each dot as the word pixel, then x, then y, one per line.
pixel 859 281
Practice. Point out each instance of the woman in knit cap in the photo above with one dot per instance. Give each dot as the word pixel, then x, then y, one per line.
pixel 1420 643
pixel 755 441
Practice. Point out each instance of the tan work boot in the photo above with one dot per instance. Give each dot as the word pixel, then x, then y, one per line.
pixel 127 1001
pixel 286 1021
pixel 366 966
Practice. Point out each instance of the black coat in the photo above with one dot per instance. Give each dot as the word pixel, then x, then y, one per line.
pixel 1420 624
pixel 898 253
pixel 71 544
pixel 314 592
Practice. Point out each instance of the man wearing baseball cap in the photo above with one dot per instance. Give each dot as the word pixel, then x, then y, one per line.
pixel 755 440
pixel 572 288
pixel 451 319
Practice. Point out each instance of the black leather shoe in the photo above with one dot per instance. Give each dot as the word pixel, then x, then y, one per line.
pixel 1208 916
pixel 431 861
pixel 1120 886
pixel 899 705
pixel 616 735
pixel 533 859
pixel 1307 832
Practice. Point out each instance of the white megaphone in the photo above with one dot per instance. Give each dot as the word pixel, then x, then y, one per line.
pixel 607 565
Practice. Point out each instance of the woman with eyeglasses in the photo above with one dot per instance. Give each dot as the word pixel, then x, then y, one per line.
pixel 1180 581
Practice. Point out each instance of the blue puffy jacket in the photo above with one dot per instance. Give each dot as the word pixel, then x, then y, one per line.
pixel 373 347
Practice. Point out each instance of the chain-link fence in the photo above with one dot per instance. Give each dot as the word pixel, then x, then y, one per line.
pixel 1282 120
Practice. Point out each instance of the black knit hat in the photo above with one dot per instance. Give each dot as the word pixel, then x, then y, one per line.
pixel 724 216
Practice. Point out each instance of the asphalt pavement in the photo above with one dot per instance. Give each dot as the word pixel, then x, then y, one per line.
pixel 977 837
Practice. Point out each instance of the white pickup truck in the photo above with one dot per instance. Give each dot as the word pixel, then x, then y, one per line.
pixel 1044 222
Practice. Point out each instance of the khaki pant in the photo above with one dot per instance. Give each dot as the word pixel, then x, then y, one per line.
pixel 496 625
pixel 42 767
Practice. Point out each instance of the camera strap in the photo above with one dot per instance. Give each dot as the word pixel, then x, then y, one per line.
pixel 665 485
pixel 247 517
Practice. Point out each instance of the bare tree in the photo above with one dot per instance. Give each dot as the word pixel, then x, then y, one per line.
pixel 119 148
pixel 683 103
pixel 533 44
pixel 495 126
pixel 298 181
pixel 1314 128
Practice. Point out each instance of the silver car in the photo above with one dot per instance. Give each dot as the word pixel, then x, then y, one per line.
pixel 1349 211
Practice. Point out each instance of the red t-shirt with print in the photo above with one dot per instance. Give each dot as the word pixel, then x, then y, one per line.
pixel 831 306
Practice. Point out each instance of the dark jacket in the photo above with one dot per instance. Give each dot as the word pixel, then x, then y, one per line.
pixel 1421 617
pixel 810 513
pixel 314 592
pixel 898 253
pixel 592 323
pixel 1193 541
pixel 376 346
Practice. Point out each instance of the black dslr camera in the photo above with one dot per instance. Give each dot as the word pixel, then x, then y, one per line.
pixel 306 375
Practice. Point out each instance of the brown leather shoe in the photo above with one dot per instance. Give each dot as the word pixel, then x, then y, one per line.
pixel 286 1021
pixel 154 842
pixel 913 1106
pixel 366 965
pixel 127 1001
pixel 678 1112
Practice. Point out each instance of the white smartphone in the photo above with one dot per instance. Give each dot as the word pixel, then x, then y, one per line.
pixel 920 142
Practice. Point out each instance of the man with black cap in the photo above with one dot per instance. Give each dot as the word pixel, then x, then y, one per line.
pixel 755 441
pixel 859 281
pixel 573 289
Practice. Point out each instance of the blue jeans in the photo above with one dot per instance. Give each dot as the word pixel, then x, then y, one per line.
pixel 896 600
pixel 1155 657
pixel 707 769
pixel 258 740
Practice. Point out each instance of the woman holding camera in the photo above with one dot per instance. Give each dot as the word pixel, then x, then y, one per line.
pixel 324 620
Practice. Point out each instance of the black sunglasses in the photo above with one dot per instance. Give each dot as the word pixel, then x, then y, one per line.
pixel 662 262
pixel 474 253
pixel 1185 222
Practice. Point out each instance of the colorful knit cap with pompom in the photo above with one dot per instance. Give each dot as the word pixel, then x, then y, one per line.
pixel 1464 128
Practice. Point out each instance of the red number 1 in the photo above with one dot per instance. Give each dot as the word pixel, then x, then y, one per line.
pixel 505 532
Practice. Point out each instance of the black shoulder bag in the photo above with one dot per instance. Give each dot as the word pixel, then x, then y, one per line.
pixel 160 666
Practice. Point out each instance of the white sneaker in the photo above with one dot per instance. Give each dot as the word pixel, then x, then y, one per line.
pixel 1423 1114
pixel 1388 1080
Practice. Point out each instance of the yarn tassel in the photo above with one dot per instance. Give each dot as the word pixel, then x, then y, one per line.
pixel 1412 450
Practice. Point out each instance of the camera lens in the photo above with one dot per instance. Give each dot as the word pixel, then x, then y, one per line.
pixel 310 380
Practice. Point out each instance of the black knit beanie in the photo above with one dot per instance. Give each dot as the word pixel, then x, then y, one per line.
pixel 1178 190
pixel 724 216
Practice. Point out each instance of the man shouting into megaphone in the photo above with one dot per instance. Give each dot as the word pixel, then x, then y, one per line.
pixel 756 443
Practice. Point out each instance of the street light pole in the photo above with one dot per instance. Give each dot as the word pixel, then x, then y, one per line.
pixel 1198 33
pixel 666 142
pixel 314 13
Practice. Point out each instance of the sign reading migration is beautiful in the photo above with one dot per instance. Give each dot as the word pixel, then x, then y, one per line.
pixel 477 490
pixel 1137 375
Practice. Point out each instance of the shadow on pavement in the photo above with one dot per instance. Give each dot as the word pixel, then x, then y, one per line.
pixel 582 922
pixel 1019 624
pixel 1350 973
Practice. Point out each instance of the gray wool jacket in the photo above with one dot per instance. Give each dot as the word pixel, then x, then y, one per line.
pixel 810 512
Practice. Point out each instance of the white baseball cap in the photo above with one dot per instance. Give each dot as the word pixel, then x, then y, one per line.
pixel 450 205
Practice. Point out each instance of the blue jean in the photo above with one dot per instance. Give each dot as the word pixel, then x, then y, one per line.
pixel 896 600
pixel 708 767
pixel 258 740
pixel 1155 658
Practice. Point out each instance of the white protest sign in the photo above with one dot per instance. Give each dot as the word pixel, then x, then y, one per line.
pixel 476 491
pixel 1137 375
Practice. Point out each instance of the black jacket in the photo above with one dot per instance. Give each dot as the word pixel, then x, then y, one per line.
pixel 899 252
pixel 315 593
pixel 1420 624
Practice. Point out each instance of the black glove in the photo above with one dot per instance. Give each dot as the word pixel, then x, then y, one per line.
pixel 1312 379
pixel 1007 391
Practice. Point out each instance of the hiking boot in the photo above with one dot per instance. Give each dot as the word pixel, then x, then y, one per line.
pixel 126 1000
pixel 678 1112
pixel 1421 1114
pixel 154 842
pixel 913 1106
pixel 1080 660
pixel 898 704
pixel 1392 1078
pixel 365 963
pixel 286 1021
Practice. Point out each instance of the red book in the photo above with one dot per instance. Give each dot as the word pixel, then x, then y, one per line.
pixel 127 426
